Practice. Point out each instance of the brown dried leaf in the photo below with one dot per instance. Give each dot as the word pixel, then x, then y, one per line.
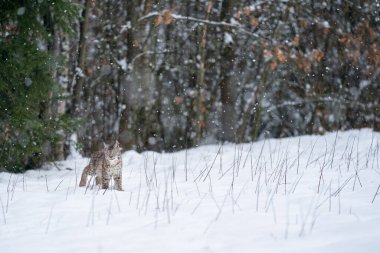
pixel 369 71
pixel 273 65
pixel 279 55
pixel 346 39
pixel 296 41
pixel 353 55
pixel 209 6
pixel 178 100
pixel 202 108
pixel 303 63
pixel 317 54
pixel 10 28
pixel 267 54
pixel 371 34
pixel 342 39
pixel 374 55
pixel 88 71
pixel 247 11
pixel 303 23
pixel 253 22
pixel 158 20
pixel 167 17
pixel 135 43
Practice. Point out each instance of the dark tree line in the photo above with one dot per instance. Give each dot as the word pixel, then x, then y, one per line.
pixel 167 75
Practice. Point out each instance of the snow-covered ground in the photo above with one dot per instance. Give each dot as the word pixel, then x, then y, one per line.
pixel 308 194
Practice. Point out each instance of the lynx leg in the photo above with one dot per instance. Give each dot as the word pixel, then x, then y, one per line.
pixel 118 183
pixel 105 182
pixel 98 180
pixel 83 180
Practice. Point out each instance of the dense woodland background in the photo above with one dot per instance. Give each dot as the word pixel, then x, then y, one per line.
pixel 167 75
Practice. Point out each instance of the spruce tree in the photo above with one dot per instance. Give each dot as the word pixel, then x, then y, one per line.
pixel 28 129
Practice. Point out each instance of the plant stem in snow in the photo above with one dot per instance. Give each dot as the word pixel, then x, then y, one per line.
pixel 154 168
pixel 14 187
pixel 258 192
pixel 220 210
pixel 249 151
pixel 286 170
pixel 373 200
pixel 91 213
pixel 109 210
pixel 76 176
pixel 306 218
pixel 130 199
pixel 320 178
pixel 48 224
pixel 221 159
pixel 58 185
pixel 47 187
pixel 297 182
pixel 23 182
pixel 199 203
pixel 68 188
pixel 138 196
pixel 213 162
pixel 333 151
pixel 298 154
pixel 330 197
pixel 186 158
pixel 350 154
pixel 8 192
pixel 258 159
pixel 2 208
pixel 311 152
pixel 340 187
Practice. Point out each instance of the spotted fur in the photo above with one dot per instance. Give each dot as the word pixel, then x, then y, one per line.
pixel 104 165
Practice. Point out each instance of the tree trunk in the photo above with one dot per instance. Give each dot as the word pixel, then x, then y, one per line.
pixel 227 86
pixel 62 76
pixel 81 63
pixel 140 87
pixel 201 107
pixel 56 108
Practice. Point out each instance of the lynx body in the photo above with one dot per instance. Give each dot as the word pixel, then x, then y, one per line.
pixel 104 165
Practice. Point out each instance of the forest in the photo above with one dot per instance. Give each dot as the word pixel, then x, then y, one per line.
pixel 168 75
pixel 190 126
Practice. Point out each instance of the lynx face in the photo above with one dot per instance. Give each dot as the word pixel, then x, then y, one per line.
pixel 113 153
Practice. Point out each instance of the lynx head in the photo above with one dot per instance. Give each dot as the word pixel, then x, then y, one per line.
pixel 113 152
pixel 105 146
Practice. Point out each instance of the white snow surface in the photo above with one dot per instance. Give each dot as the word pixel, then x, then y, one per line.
pixel 244 198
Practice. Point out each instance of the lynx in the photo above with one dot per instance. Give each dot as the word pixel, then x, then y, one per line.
pixel 104 165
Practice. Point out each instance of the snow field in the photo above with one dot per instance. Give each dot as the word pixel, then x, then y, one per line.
pixel 311 193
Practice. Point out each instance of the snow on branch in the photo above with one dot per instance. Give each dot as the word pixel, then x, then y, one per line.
pixel 237 26
pixel 322 100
